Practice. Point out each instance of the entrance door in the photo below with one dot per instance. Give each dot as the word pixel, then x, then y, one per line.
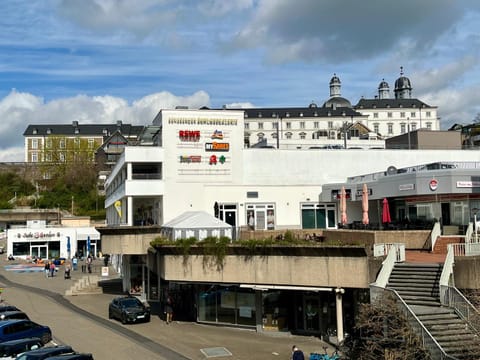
pixel 446 214
pixel 39 251
pixel 311 313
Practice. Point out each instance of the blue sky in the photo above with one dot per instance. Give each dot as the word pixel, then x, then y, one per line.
pixel 98 61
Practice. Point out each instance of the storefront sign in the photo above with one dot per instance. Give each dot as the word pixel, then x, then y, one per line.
pixel 190 159
pixel 217 134
pixel 405 187
pixel 214 159
pixel 201 121
pixel 189 135
pixel 468 184
pixel 433 184
pixel 216 146
pixel 38 235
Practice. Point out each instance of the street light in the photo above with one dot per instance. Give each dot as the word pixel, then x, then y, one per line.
pixel 408 129
pixel 475 210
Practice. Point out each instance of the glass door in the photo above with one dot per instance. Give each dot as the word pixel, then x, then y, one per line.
pixel 39 251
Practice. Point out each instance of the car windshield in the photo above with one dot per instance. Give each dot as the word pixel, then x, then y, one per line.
pixel 130 302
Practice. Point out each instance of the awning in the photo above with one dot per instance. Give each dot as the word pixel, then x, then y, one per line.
pixel 284 287
pixel 85 232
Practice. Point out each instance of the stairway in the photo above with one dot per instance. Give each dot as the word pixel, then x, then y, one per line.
pixel 86 285
pixel 418 285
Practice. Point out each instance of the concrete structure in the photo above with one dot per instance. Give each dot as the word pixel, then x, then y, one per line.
pixel 196 161
pixel 422 139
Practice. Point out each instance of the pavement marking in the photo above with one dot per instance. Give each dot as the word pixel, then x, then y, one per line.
pixel 25 268
pixel 215 352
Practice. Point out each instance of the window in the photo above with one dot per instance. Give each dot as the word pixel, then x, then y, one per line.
pixel 303 135
pixel 289 125
pixel 429 114
pixel 274 135
pixel 62 143
pixel 90 143
pixel 390 114
pixel 302 124
pixel 34 143
pixel 429 125
pixel 48 143
pixel 77 142
pixel 413 114
pixel 260 136
pixel 288 135
pixel 275 125
pixel 318 216
pixel 61 157
pixel 376 127
pixel 77 130
pixel 34 157
pixel 330 124
pixel 403 128
pixel 390 128
pixel 247 126
pixel 414 126
pixel 49 131
pixel 375 115
pixel 316 124
pixel 402 114
pixel 260 125
pixel 48 156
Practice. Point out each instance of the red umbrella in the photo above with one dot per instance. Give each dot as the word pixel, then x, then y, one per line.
pixel 343 205
pixel 365 220
pixel 386 212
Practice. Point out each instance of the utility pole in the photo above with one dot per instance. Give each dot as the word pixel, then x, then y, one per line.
pixel 72 205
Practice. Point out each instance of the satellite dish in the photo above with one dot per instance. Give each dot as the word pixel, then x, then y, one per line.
pixel 391 170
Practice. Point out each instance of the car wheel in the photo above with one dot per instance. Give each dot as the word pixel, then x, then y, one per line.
pixel 46 338
pixel 110 314
pixel 124 319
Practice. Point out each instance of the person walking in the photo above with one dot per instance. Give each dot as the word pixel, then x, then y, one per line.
pixel 52 269
pixel 47 269
pixel 89 264
pixel 169 309
pixel 75 262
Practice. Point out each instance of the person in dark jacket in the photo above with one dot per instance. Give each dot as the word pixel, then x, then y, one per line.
pixel 297 354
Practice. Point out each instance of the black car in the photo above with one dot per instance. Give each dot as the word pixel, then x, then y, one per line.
pixel 128 309
pixel 10 349
pixel 4 308
pixel 45 353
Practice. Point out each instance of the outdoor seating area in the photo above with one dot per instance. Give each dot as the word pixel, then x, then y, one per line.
pixel 417 224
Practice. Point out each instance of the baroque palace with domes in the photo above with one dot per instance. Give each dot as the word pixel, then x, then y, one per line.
pixel 338 124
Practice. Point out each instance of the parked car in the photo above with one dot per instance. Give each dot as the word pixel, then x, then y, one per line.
pixel 10 315
pixel 76 356
pixel 45 353
pixel 10 349
pixel 20 329
pixel 128 309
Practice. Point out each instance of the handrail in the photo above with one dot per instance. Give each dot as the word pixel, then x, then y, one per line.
pixel 435 233
pixel 469 233
pixel 446 278
pixel 428 341
pixel 463 307
pixel 387 266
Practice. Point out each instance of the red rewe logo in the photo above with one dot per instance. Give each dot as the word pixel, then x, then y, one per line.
pixel 189 135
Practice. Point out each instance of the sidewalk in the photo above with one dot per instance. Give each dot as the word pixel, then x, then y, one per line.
pixel 190 339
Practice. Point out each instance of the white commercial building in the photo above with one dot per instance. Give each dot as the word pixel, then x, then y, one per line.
pixel 197 160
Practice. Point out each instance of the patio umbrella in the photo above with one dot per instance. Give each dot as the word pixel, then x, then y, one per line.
pixel 343 205
pixel 365 220
pixel 386 212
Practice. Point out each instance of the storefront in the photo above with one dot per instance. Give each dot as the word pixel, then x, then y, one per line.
pixel 38 240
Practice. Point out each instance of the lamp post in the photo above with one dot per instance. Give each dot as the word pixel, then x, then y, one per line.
pixel 278 131
pixel 475 210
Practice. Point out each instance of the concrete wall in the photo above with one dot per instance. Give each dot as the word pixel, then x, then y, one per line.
pixel 128 244
pixel 466 272
pixel 321 271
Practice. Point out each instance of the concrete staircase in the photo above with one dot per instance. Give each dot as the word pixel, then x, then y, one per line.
pixel 86 285
pixel 418 285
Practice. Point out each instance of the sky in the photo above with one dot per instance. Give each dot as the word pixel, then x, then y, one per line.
pixel 99 61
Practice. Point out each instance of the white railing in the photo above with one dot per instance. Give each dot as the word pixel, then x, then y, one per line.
pixel 446 279
pixel 467 249
pixel 395 253
pixel 469 233
pixel 436 232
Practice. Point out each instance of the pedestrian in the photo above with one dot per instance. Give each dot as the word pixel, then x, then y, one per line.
pixel 297 354
pixel 75 262
pixel 169 309
pixel 52 268
pixel 89 264
pixel 47 268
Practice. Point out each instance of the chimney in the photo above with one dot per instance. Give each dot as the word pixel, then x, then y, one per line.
pixel 75 123
pixel 119 123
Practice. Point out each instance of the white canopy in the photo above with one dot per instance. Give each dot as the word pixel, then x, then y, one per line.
pixel 198 224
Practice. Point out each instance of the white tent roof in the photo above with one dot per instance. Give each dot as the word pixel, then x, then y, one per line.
pixel 196 220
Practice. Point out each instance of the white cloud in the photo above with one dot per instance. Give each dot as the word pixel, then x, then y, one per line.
pixel 18 110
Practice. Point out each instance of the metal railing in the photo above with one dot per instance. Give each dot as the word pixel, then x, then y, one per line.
pixel 463 307
pixel 428 341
